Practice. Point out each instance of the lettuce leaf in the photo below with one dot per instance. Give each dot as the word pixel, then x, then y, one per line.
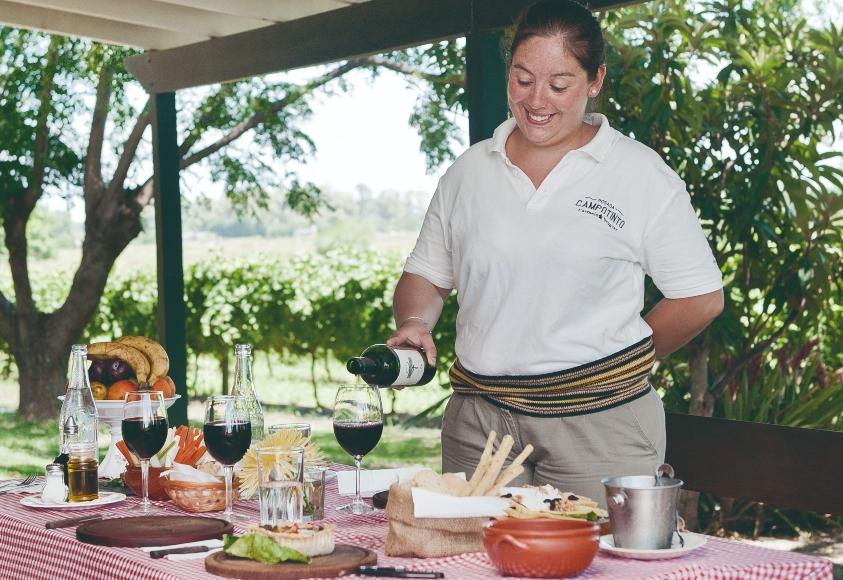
pixel 262 548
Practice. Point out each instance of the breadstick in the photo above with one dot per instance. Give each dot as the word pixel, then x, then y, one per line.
pixel 514 469
pixel 488 479
pixel 482 464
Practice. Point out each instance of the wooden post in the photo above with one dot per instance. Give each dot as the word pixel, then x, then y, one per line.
pixel 171 310
pixel 486 83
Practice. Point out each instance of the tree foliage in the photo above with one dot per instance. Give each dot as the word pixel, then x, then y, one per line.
pixel 742 100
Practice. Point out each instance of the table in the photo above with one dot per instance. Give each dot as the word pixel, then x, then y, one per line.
pixel 29 551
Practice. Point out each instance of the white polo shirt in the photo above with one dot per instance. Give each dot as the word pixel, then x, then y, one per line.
pixel 551 278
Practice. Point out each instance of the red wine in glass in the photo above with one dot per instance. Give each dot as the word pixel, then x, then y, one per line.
pixel 228 433
pixel 144 426
pixel 144 438
pixel 358 438
pixel 228 442
pixel 358 425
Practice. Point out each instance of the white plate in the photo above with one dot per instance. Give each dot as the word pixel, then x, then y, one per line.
pixel 105 498
pixel 692 542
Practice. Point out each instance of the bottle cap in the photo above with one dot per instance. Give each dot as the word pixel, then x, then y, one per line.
pixel 241 349
pixel 53 468
pixel 86 449
pixel 70 426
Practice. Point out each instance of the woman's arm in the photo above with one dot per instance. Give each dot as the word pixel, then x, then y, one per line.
pixel 676 321
pixel 417 305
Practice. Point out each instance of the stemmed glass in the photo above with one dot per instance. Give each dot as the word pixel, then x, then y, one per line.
pixel 228 433
pixel 358 425
pixel 144 428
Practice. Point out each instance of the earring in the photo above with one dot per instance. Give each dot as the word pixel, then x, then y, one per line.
pixel 593 93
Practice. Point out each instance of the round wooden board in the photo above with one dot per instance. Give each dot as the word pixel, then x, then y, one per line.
pixel 152 530
pixel 344 559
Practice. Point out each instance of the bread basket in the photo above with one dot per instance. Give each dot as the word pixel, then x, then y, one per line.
pixel 199 497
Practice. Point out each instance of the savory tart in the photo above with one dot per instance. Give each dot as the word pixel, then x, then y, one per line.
pixel 309 539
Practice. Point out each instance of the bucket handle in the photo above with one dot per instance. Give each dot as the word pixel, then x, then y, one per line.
pixel 509 540
pixel 618 500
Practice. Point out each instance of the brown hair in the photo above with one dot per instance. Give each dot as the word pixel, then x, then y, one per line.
pixel 570 20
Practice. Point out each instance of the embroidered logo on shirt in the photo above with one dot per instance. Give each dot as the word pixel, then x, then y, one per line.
pixel 603 210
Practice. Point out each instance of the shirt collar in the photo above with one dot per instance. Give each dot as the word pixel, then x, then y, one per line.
pixel 597 148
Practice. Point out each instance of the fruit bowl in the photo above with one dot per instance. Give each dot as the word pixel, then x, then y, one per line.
pixel 111 413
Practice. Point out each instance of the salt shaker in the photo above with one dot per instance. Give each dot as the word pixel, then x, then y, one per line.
pixel 55 491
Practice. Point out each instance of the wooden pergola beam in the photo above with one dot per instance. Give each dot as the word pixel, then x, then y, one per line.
pixel 360 29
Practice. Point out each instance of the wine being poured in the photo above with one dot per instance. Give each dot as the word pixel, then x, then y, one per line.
pixel 358 425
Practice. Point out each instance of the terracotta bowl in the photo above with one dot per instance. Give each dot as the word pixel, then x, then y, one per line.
pixel 132 478
pixel 541 548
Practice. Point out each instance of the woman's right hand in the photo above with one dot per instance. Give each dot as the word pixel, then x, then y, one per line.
pixel 415 332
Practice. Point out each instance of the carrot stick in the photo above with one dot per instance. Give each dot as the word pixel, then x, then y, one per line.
pixel 124 450
pixel 196 456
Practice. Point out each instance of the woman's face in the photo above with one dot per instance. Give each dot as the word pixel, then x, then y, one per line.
pixel 548 91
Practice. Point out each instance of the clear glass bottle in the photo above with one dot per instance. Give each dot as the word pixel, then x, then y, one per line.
pixel 244 387
pixel 78 418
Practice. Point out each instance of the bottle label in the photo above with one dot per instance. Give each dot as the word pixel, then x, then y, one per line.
pixel 412 367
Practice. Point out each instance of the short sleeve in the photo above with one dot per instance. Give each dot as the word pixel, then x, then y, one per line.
pixel 676 254
pixel 431 257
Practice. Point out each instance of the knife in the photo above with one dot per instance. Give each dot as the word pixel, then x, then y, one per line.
pixel 67 522
pixel 182 550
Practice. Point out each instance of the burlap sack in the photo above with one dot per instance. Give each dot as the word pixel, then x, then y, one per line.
pixel 428 537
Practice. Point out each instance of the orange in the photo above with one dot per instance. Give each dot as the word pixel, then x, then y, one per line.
pixel 118 390
pixel 166 385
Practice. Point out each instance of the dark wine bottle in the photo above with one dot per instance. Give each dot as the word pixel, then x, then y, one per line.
pixel 387 366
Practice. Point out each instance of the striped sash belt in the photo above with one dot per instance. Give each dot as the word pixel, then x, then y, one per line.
pixel 596 386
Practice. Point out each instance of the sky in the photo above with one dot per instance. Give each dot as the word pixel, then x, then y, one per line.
pixel 364 137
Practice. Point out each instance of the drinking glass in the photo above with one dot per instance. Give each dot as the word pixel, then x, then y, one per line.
pixel 144 429
pixel 302 429
pixel 228 433
pixel 358 425
pixel 281 482
pixel 314 493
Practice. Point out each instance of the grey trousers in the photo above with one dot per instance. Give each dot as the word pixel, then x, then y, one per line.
pixel 571 453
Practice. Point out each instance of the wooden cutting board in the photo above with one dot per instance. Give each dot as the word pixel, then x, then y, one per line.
pixel 152 530
pixel 344 559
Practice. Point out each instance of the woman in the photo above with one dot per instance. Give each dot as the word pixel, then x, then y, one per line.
pixel 546 231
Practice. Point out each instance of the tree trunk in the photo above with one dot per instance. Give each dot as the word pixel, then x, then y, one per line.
pixel 702 405
pixel 313 381
pixel 226 374
pixel 42 372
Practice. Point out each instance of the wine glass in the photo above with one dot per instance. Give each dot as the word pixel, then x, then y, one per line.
pixel 144 428
pixel 358 425
pixel 228 433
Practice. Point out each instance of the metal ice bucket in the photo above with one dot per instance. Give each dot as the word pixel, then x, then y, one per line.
pixel 643 514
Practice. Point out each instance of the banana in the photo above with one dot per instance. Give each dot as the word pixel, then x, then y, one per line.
pixel 159 361
pixel 130 355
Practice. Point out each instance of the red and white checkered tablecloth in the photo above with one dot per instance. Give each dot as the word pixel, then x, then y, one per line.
pixel 29 551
